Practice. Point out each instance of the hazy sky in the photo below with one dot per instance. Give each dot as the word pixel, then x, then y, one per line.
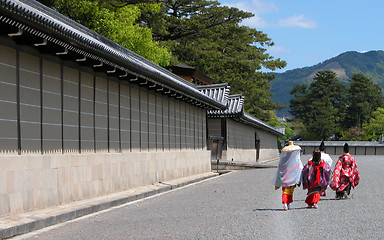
pixel 307 32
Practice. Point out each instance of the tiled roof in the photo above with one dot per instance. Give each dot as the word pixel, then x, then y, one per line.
pixel 219 92
pixel 37 22
pixel 235 108
pixel 338 144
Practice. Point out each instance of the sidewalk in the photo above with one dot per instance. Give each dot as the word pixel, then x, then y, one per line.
pixel 16 224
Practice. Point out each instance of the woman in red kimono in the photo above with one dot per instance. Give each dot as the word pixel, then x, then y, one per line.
pixel 346 175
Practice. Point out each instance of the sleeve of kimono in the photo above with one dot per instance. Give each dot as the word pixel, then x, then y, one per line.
pixel 327 173
pixel 335 183
pixel 304 175
pixel 356 174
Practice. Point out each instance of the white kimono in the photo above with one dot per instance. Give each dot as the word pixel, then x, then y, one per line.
pixel 327 159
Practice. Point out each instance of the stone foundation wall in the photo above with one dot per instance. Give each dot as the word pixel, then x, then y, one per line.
pixel 29 182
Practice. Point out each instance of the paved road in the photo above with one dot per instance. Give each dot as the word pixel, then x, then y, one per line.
pixel 240 205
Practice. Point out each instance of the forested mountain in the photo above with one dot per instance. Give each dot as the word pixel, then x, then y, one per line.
pixel 371 64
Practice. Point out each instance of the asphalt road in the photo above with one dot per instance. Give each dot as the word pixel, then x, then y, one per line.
pixel 239 205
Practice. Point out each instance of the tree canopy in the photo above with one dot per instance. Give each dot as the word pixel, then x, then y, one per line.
pixel 374 128
pixel 319 105
pixel 118 24
pixel 364 97
pixel 329 109
pixel 199 33
pixel 209 37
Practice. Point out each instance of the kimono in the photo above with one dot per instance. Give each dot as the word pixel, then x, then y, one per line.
pixel 316 179
pixel 328 160
pixel 289 169
pixel 288 174
pixel 346 174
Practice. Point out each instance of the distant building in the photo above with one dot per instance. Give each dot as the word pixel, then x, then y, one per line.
pixel 336 147
pixel 191 74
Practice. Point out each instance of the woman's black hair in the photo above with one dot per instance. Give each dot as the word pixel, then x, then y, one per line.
pixel 316 157
pixel 346 148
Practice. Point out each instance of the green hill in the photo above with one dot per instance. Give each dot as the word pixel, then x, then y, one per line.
pixel 371 64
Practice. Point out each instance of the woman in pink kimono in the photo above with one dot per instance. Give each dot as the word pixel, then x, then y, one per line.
pixel 346 175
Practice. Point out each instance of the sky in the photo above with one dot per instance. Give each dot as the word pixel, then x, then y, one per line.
pixel 308 32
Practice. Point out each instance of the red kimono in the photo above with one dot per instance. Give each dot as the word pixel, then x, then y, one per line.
pixel 345 173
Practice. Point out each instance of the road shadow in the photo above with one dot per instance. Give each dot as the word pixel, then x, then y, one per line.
pixel 268 209
pixel 322 199
pixel 277 209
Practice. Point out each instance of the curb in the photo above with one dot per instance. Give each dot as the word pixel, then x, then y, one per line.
pixel 231 165
pixel 17 224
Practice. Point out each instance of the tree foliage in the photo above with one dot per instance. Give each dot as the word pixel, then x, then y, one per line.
pixel 371 64
pixel 209 37
pixel 364 97
pixel 374 128
pixel 118 24
pixel 327 108
pixel 319 105
pixel 199 33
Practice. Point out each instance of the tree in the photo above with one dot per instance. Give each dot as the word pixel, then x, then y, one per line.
pixel 298 106
pixel 207 36
pixel 199 33
pixel 364 97
pixel 319 105
pixel 374 128
pixel 117 24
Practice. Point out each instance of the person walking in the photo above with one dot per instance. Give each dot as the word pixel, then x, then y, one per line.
pixel 288 173
pixel 325 156
pixel 316 176
pixel 345 175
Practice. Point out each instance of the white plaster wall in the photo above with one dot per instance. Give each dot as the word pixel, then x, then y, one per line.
pixel 241 143
pixel 29 182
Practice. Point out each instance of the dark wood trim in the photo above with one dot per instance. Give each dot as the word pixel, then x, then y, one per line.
pixel 120 144
pixel 108 121
pixel 94 113
pixel 41 106
pixel 18 101
pixel 139 100
pixel 130 118
pixel 62 105
pixel 224 132
pixel 79 117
